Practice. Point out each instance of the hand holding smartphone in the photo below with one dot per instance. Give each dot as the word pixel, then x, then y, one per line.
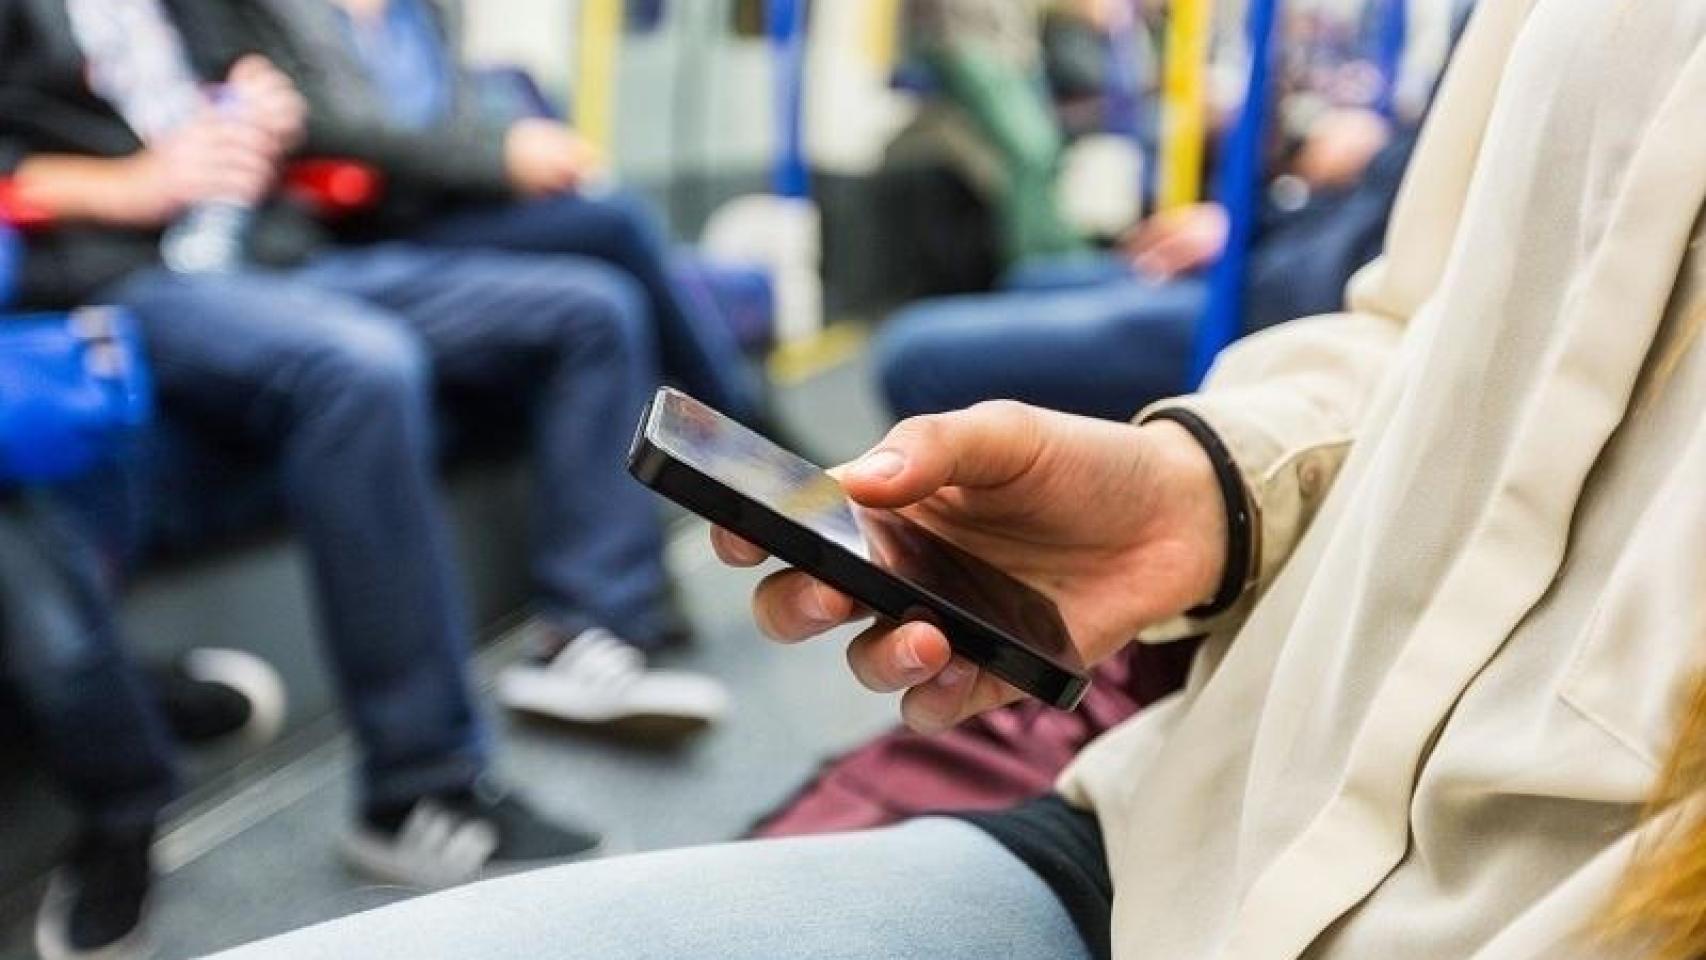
pixel 737 479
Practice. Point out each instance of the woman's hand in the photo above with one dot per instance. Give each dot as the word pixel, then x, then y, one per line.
pixel 1122 526
pixel 1178 241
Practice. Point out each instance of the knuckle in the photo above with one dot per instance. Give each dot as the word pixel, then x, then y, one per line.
pixel 924 431
pixel 1002 410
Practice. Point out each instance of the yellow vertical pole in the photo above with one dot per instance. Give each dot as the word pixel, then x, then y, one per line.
pixel 882 33
pixel 600 29
pixel 1184 101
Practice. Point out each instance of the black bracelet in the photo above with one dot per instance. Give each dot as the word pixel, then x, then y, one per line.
pixel 1239 525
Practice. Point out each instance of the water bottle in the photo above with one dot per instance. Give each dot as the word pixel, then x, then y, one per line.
pixel 211 236
pixel 207 239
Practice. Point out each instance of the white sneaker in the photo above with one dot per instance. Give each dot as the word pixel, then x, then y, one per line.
pixel 599 679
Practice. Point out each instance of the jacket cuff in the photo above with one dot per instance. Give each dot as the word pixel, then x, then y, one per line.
pixel 1283 484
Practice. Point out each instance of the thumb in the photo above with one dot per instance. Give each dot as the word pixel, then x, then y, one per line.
pixel 983 446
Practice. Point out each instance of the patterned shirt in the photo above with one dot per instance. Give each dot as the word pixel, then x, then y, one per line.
pixel 137 63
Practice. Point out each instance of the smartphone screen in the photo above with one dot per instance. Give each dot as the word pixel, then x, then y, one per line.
pixel 803 493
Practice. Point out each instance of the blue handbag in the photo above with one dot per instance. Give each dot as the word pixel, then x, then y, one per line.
pixel 74 387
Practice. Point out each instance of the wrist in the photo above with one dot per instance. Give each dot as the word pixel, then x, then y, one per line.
pixel 1218 509
pixel 132 194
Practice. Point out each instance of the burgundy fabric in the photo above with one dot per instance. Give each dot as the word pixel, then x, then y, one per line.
pixel 997 760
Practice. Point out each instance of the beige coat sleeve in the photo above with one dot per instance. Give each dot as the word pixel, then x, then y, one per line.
pixel 1289 402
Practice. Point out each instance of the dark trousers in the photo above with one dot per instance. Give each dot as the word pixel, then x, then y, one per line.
pixel 696 347
pixel 97 731
pixel 334 367
pixel 1082 337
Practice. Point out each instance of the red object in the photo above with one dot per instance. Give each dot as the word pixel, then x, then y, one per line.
pixel 18 213
pixel 997 760
pixel 334 187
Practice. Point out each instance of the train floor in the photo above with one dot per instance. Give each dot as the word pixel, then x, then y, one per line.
pixel 257 858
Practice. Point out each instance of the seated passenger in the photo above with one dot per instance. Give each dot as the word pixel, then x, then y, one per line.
pixel 597 563
pixel 1445 549
pixel 385 85
pixel 1103 340
pixel 986 58
pixel 327 359
pixel 1104 337
pixel 102 733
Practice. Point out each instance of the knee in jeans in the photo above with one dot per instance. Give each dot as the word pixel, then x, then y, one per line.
pixel 371 361
pixel 905 357
pixel 622 218
pixel 613 317
pixel 53 654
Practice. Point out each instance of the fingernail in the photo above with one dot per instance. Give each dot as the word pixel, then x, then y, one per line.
pixel 881 465
pixel 906 654
pixel 954 674
pixel 816 605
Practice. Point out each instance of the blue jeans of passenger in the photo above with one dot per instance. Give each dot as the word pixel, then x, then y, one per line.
pixel 1085 336
pixel 334 367
pixel 934 888
pixel 91 722
pixel 696 348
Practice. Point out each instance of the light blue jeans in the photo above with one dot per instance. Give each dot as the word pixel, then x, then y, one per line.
pixel 934 888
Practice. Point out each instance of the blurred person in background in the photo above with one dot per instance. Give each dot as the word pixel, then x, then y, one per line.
pixel 385 84
pixel 328 360
pixel 1104 337
pixel 986 57
pixel 103 727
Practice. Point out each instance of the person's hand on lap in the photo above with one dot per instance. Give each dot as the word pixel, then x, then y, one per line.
pixel 1178 241
pixel 1122 526
pixel 1339 147
pixel 544 157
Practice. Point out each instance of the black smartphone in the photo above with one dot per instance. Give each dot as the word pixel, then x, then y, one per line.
pixel 737 479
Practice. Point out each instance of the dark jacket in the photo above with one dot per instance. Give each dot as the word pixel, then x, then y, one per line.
pixel 460 159
pixel 46 107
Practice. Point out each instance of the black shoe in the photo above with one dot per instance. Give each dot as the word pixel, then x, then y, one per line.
pixel 446 840
pixel 96 903
pixel 211 695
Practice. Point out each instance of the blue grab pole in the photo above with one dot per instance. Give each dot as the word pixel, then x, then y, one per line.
pixel 1239 187
pixel 786 20
pixel 1394 29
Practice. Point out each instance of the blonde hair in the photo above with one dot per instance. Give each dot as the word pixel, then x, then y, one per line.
pixel 1661 903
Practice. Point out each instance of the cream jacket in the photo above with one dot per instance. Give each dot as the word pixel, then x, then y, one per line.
pixel 1482 508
